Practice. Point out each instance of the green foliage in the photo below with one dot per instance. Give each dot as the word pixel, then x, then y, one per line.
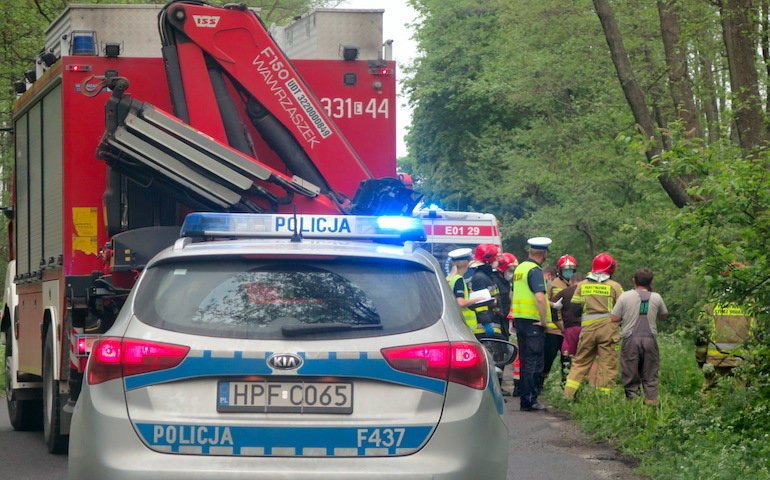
pixel 518 112
pixel 689 436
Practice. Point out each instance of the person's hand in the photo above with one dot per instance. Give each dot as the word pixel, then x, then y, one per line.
pixel 557 304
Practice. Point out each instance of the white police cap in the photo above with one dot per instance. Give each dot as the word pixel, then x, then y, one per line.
pixel 539 243
pixel 461 254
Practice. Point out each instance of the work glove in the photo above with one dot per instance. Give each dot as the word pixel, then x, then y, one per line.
pixel 557 305
pixel 489 329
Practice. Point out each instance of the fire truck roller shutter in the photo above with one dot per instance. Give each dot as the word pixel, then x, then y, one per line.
pixel 35 147
pixel 22 196
pixel 53 207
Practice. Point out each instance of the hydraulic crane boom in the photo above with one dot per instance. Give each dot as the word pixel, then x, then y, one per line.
pixel 236 50
pixel 228 78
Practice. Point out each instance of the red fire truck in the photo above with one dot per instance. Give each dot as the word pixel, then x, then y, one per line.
pixel 124 129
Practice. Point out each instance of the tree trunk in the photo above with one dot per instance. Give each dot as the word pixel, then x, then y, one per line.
pixel 738 33
pixel 766 51
pixel 680 85
pixel 710 105
pixel 635 97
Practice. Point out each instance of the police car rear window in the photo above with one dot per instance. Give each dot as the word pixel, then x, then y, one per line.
pixel 259 299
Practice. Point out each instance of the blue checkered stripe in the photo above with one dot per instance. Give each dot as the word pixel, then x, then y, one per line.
pixel 207 363
pixel 361 441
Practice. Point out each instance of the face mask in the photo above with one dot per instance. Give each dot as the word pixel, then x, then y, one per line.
pixel 508 276
pixel 567 274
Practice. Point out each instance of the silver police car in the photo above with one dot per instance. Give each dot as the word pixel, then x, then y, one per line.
pixel 318 356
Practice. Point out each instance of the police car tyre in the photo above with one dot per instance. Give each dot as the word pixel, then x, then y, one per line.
pixel 24 415
pixel 54 440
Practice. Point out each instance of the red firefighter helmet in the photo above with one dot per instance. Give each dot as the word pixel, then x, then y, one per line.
pixel 604 263
pixel 486 253
pixel 506 261
pixel 406 179
pixel 567 261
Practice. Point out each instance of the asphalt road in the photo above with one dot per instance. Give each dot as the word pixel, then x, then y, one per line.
pixel 542 446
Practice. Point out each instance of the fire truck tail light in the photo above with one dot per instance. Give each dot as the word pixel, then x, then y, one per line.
pixel 382 71
pixel 122 357
pixel 458 362
pixel 78 67
pixel 82 346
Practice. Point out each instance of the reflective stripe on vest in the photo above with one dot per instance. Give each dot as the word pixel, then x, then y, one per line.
pixel 723 349
pixel 593 318
pixel 524 304
pixel 495 327
pixel 468 315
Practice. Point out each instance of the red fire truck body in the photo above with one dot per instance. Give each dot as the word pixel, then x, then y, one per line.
pixel 66 276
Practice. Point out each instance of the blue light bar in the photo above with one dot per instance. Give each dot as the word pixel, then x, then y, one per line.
pixel 349 227
pixel 399 224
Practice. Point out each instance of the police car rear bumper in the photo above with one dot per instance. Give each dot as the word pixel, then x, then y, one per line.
pixel 104 444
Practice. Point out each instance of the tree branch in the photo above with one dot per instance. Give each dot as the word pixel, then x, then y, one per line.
pixel 40 9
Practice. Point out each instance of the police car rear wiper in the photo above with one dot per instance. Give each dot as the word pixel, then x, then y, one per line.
pixel 312 328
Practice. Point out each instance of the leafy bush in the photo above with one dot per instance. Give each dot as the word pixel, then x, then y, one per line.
pixel 723 435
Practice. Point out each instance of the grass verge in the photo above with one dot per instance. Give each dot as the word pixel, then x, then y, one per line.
pixel 725 435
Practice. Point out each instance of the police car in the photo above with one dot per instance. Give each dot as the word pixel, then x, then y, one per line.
pixel 280 346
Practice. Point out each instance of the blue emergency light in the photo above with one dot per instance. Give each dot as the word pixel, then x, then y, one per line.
pixel 342 227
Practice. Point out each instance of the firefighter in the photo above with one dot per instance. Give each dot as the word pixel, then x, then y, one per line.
pixel 729 328
pixel 487 313
pixel 554 331
pixel 531 313
pixel 506 264
pixel 599 335
pixel 461 258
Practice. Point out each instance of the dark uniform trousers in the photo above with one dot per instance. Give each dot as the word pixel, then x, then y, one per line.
pixel 532 344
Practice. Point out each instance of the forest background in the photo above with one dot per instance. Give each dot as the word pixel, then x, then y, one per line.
pixel 637 128
pixel 633 127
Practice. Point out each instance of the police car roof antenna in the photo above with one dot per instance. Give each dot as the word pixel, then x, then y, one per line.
pixel 297 235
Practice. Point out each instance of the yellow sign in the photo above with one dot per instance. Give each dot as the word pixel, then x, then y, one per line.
pixel 596 289
pixel 86 245
pixel 84 219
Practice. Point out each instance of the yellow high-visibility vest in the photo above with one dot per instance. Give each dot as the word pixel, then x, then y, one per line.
pixel 524 303
pixel 469 316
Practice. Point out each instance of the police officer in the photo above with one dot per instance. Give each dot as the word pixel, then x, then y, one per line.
pixel 487 313
pixel 532 313
pixel 461 258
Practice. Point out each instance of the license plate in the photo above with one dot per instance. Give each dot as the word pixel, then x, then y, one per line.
pixel 285 397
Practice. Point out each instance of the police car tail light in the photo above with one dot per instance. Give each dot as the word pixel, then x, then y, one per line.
pixel 121 357
pixel 458 362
